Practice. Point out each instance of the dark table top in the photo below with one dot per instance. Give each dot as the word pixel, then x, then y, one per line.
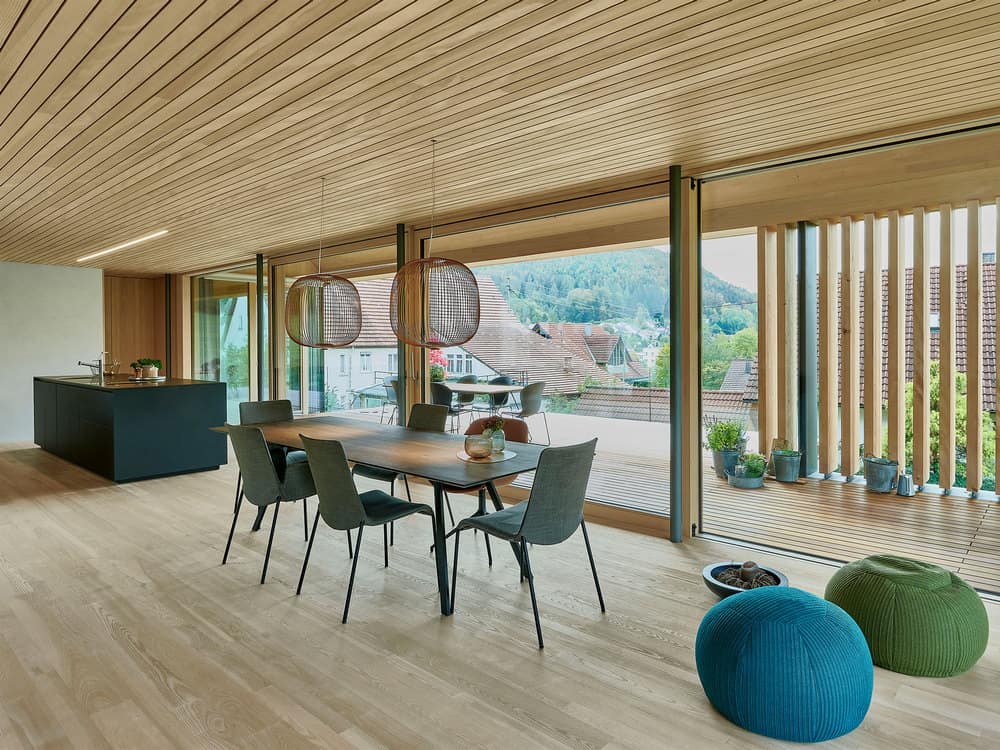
pixel 430 455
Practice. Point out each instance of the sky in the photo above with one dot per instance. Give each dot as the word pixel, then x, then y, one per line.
pixel 734 259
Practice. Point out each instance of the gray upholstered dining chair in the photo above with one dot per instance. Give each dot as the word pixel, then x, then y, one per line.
pixel 426 417
pixel 531 404
pixel 442 396
pixel 550 515
pixel 391 386
pixel 341 507
pixel 267 412
pixel 261 484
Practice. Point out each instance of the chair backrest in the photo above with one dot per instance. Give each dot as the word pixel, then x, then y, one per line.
pixel 262 412
pixel 499 399
pixel 391 386
pixel 467 398
pixel 531 399
pixel 555 506
pixel 441 394
pixel 513 429
pixel 428 417
pixel 260 480
pixel 339 503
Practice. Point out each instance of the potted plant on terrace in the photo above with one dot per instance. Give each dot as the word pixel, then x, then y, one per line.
pixel 438 362
pixel 786 464
pixel 749 472
pixel 726 440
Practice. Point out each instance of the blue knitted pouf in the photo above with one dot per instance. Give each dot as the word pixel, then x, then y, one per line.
pixel 785 664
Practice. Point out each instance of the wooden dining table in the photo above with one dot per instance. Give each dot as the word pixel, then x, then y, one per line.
pixel 429 455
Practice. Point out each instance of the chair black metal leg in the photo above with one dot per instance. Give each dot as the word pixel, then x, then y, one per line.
pixel 489 552
pixel 454 572
pixel 261 509
pixel 354 567
pixel 385 543
pixel 232 529
pixel 309 549
pixel 239 491
pixel 531 587
pixel 548 436
pixel 305 517
pixel 270 540
pixel 350 546
pixel 406 484
pixel 392 526
pixel 593 568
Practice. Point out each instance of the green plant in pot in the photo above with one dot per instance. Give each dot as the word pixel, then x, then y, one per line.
pixel 493 429
pixel 146 367
pixel 749 472
pixel 727 441
pixel 786 464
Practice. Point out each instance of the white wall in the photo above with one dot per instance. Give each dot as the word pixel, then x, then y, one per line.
pixel 50 317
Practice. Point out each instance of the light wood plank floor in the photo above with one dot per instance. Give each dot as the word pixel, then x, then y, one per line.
pixel 119 628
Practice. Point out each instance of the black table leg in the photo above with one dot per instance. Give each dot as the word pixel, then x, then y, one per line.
pixel 498 505
pixel 440 554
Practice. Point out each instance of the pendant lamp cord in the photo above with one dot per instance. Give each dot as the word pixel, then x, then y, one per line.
pixel 430 239
pixel 322 211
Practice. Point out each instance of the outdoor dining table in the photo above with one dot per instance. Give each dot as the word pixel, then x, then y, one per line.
pixel 483 389
pixel 429 455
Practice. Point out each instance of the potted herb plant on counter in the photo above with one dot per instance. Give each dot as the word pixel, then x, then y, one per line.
pixel 748 474
pixel 727 441
pixel 146 367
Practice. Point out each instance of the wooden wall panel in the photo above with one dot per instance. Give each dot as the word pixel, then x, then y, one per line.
pixel 896 354
pixel 921 349
pixel 828 345
pixel 850 349
pixel 787 340
pixel 872 240
pixel 767 336
pixel 135 318
pixel 974 354
pixel 946 381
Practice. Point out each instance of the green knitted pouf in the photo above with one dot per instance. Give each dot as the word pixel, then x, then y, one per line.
pixel 918 618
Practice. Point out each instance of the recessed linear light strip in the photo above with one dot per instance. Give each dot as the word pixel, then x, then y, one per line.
pixel 122 246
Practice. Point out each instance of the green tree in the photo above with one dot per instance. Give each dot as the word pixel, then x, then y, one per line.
pixel 745 343
pixel 988 429
pixel 661 368
pixel 717 353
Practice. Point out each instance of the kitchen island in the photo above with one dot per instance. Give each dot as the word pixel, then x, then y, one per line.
pixel 125 430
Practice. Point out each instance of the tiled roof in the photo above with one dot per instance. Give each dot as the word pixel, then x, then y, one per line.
pixel 989 331
pixel 737 375
pixel 502 343
pixel 598 345
pixel 653 404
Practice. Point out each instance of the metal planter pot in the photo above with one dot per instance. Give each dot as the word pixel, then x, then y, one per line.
pixel 724 462
pixel 786 466
pixel 880 475
pixel 745 483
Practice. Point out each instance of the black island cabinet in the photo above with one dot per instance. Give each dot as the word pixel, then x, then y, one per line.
pixel 126 431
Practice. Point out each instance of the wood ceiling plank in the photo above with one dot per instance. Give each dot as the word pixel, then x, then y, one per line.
pixel 30 24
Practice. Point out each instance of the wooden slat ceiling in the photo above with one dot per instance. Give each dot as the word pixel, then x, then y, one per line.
pixel 215 119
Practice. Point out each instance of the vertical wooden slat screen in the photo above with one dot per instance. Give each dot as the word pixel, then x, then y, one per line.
pixel 946 373
pixel 921 349
pixel 767 334
pixel 850 349
pixel 896 365
pixel 996 387
pixel 974 354
pixel 787 301
pixel 827 348
pixel 872 239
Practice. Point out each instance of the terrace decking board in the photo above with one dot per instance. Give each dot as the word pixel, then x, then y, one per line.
pixel 831 519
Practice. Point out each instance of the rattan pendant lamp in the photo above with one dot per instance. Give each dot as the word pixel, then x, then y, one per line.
pixel 322 310
pixel 445 290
